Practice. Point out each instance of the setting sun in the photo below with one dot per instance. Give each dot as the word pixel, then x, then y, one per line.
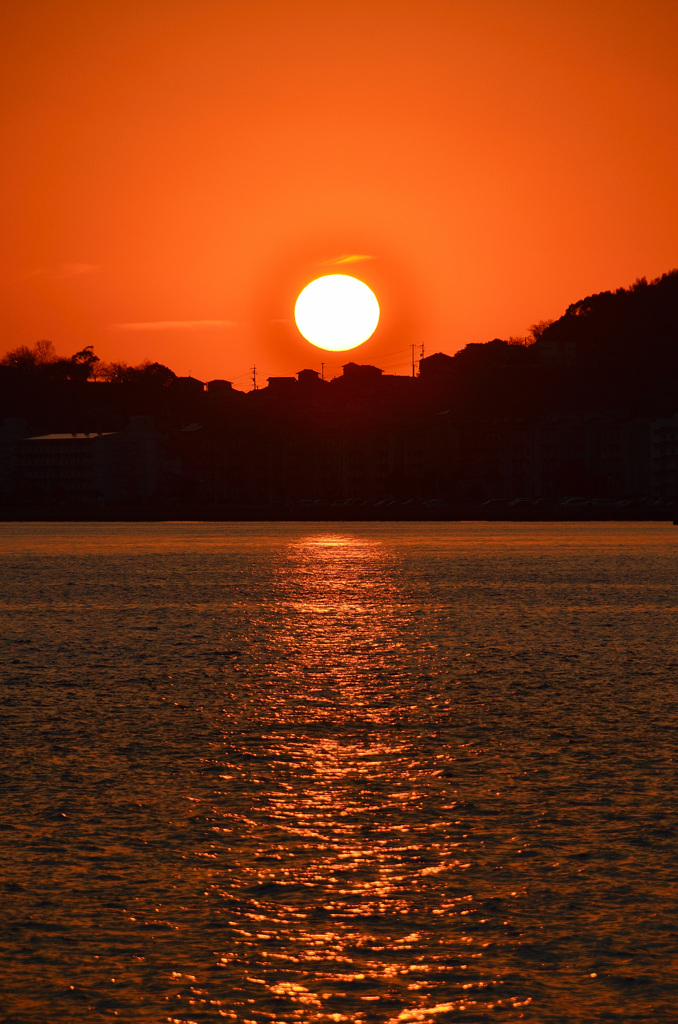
pixel 336 312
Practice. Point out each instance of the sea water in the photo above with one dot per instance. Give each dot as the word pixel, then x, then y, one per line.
pixel 339 772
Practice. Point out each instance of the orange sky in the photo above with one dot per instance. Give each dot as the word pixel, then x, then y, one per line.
pixel 176 170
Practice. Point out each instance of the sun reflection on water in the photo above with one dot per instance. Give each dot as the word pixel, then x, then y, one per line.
pixel 345 894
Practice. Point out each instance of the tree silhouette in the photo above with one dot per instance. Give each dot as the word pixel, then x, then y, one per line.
pixel 24 357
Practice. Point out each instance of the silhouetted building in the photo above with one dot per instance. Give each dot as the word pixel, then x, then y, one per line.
pixel 89 467
pixel 218 387
pixel 435 366
pixel 310 379
pixel 355 373
pixel 282 385
pixel 552 349
pixel 12 431
pixel 664 448
pixel 188 385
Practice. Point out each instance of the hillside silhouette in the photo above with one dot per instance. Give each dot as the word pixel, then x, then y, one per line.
pixel 613 351
pixel 584 407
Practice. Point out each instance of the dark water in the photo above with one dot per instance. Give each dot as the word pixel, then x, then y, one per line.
pixel 295 773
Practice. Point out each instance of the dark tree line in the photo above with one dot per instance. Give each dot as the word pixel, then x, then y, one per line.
pixel 42 360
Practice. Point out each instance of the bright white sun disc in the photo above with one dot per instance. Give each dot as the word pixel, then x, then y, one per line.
pixel 336 312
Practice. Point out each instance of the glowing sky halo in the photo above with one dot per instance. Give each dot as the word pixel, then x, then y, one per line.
pixel 336 312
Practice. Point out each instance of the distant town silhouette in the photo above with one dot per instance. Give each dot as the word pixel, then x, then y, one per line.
pixel 579 419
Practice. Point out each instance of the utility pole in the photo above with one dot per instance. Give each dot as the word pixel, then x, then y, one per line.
pixel 412 347
pixel 254 377
pixel 322 371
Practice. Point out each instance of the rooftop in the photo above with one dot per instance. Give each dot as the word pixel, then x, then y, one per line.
pixel 71 437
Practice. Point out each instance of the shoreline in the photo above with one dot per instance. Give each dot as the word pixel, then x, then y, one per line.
pixel 318 513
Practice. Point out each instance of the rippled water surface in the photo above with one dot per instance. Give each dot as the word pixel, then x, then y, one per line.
pixel 339 772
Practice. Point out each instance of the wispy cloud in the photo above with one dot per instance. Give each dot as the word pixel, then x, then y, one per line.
pixel 348 258
pixel 173 325
pixel 75 269
pixel 62 270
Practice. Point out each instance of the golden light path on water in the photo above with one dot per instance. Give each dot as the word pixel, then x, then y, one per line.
pixel 334 913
